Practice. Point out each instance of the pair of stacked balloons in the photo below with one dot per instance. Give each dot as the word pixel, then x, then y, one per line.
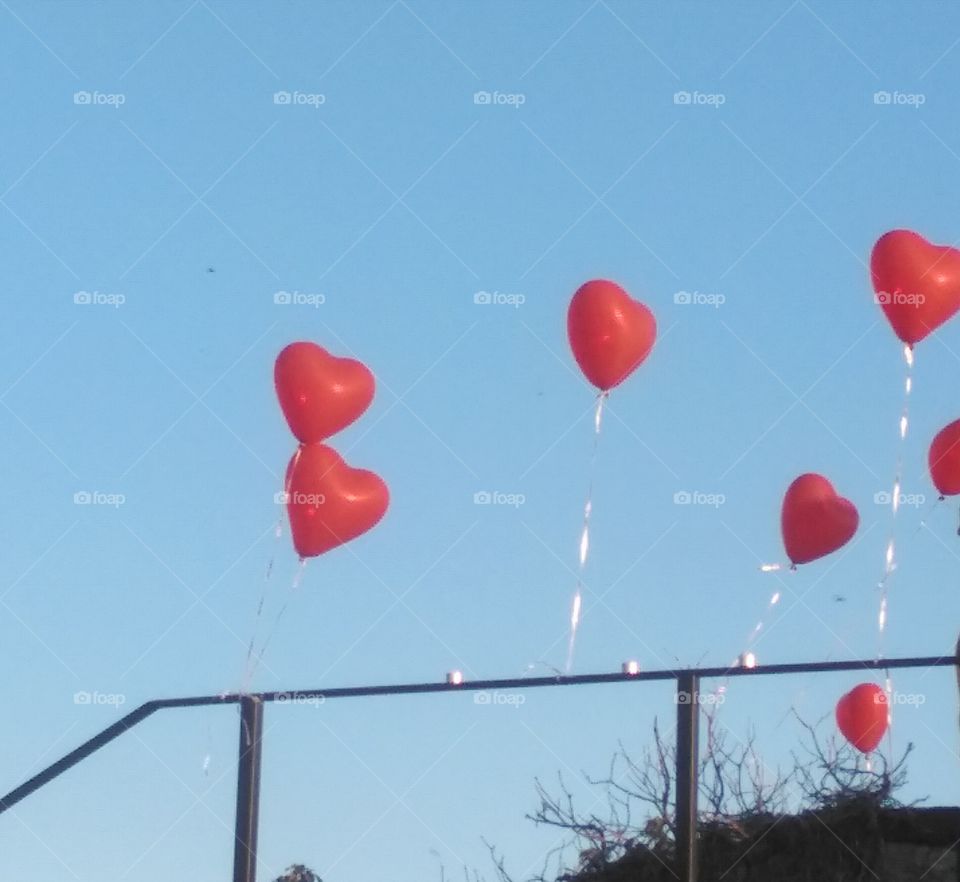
pixel 328 502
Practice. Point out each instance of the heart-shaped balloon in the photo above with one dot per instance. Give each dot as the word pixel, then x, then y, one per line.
pixel 328 502
pixel 944 459
pixel 610 333
pixel 319 393
pixel 815 520
pixel 917 283
pixel 863 715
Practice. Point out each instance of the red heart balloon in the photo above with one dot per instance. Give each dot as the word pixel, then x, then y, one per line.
pixel 610 333
pixel 944 459
pixel 328 502
pixel 917 284
pixel 815 521
pixel 863 716
pixel 319 393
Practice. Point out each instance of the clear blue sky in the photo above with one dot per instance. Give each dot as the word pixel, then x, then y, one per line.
pixel 397 198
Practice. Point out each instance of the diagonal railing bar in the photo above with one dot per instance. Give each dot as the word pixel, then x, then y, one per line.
pixel 251 729
pixel 80 753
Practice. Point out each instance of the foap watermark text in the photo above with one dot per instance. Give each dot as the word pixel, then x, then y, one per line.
pixel 98 497
pixel 114 699
pixel 297 98
pixel 900 99
pixel 696 298
pixel 298 298
pixel 99 99
pixel 700 99
pixel 698 497
pixel 500 699
pixel 498 298
pixel 98 298
pixel 496 497
pixel 500 99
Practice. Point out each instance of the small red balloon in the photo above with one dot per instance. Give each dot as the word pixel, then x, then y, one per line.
pixel 610 333
pixel 863 715
pixel 917 283
pixel 815 520
pixel 328 502
pixel 319 393
pixel 944 459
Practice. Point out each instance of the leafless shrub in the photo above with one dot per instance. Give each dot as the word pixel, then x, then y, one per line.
pixel 737 792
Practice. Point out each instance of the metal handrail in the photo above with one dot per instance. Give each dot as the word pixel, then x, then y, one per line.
pixel 251 733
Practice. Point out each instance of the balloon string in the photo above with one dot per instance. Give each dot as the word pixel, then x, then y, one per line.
pixel 208 755
pixel 577 604
pixel 774 567
pixel 747 658
pixel 888 688
pixel 294 585
pixel 761 622
pixel 249 664
pixel 927 512
pixel 771 603
pixel 889 558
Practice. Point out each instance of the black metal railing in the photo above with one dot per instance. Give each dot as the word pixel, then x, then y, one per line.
pixel 251 735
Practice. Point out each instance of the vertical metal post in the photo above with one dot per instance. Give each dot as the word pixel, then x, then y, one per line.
pixel 956 849
pixel 688 758
pixel 248 789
